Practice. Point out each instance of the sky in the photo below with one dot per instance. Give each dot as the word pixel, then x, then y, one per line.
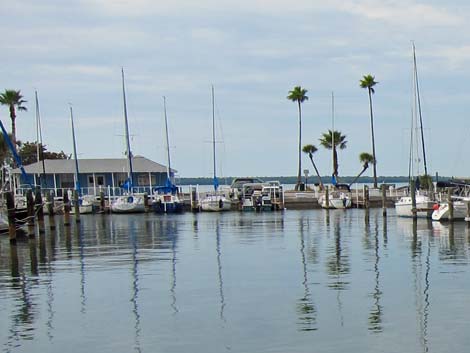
pixel 253 52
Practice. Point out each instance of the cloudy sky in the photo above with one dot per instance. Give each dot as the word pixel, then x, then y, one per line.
pixel 253 52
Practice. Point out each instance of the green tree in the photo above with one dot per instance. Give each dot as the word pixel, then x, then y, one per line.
pixel 299 95
pixel 14 100
pixel 334 140
pixel 368 82
pixel 28 153
pixel 310 150
pixel 365 158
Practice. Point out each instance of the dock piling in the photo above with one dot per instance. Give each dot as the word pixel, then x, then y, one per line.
pixel 76 204
pixel 50 210
pixel 66 209
pixel 39 210
pixel 413 199
pixel 31 216
pixel 450 192
pixel 384 200
pixel 11 216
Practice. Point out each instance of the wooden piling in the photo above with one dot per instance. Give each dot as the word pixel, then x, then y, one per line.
pixel 366 197
pixel 413 199
pixel 102 202
pixel 39 210
pixel 50 209
pixel 31 215
pixel 450 191
pixel 146 201
pixel 66 209
pixel 384 200
pixel 11 216
pixel 327 198
pixel 467 217
pixel 76 204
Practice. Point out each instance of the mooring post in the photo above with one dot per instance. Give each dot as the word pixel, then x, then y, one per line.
pixel 50 209
pixel 102 201
pixel 327 198
pixel 384 200
pixel 366 197
pixel 31 215
pixel 450 191
pixel 467 217
pixel 11 216
pixel 66 209
pixel 146 201
pixel 414 212
pixel 76 205
pixel 39 210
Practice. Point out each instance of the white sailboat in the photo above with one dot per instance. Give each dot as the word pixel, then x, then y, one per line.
pixel 338 196
pixel 85 205
pixel 216 200
pixel 166 197
pixel 404 206
pixel 130 202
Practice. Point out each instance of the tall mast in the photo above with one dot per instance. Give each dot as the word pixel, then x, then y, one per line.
pixel 333 130
pixel 419 109
pixel 213 140
pixel 39 146
pixel 77 182
pixel 168 170
pixel 128 143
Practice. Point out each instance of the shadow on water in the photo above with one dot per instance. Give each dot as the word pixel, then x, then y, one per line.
pixel 306 311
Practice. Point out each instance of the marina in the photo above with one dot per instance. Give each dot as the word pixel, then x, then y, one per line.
pixel 239 282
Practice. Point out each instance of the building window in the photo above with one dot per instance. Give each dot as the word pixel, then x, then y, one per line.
pixel 67 181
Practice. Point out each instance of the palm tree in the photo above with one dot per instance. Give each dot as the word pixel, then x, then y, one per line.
pixel 368 81
pixel 310 150
pixel 334 140
pixel 365 158
pixel 299 95
pixel 12 99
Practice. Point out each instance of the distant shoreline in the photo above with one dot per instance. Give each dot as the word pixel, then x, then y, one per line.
pixel 310 180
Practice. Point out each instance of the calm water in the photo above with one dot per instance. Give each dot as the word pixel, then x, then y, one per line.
pixel 299 281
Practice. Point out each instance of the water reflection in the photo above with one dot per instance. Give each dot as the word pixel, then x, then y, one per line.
pixel 337 262
pixel 135 286
pixel 376 312
pixel 219 271
pixel 306 310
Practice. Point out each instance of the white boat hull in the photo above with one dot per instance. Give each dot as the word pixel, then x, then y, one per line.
pixel 128 204
pixel 442 213
pixel 216 203
pixel 404 207
pixel 340 202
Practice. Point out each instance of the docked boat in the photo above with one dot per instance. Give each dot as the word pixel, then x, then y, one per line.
pixel 130 202
pixel 166 198
pixel 266 196
pixel 441 211
pixel 403 206
pixel 338 198
pixel 424 203
pixel 217 200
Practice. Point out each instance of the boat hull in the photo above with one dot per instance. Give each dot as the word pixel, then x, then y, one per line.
pixel 442 213
pixel 404 207
pixel 128 204
pixel 216 203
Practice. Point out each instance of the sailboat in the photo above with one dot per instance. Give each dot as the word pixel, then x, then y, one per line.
pixel 216 200
pixel 130 202
pixel 338 197
pixel 166 197
pixel 85 205
pixel 404 206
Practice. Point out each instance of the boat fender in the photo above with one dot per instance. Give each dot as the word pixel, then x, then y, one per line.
pixel 435 207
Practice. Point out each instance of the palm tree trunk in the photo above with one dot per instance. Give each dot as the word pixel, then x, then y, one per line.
pixel 316 171
pixel 357 177
pixel 373 139
pixel 13 125
pixel 335 162
pixel 300 149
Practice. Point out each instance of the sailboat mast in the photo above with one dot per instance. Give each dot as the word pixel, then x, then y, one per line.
pixel 213 139
pixel 333 131
pixel 128 143
pixel 77 183
pixel 168 170
pixel 39 147
pixel 419 109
